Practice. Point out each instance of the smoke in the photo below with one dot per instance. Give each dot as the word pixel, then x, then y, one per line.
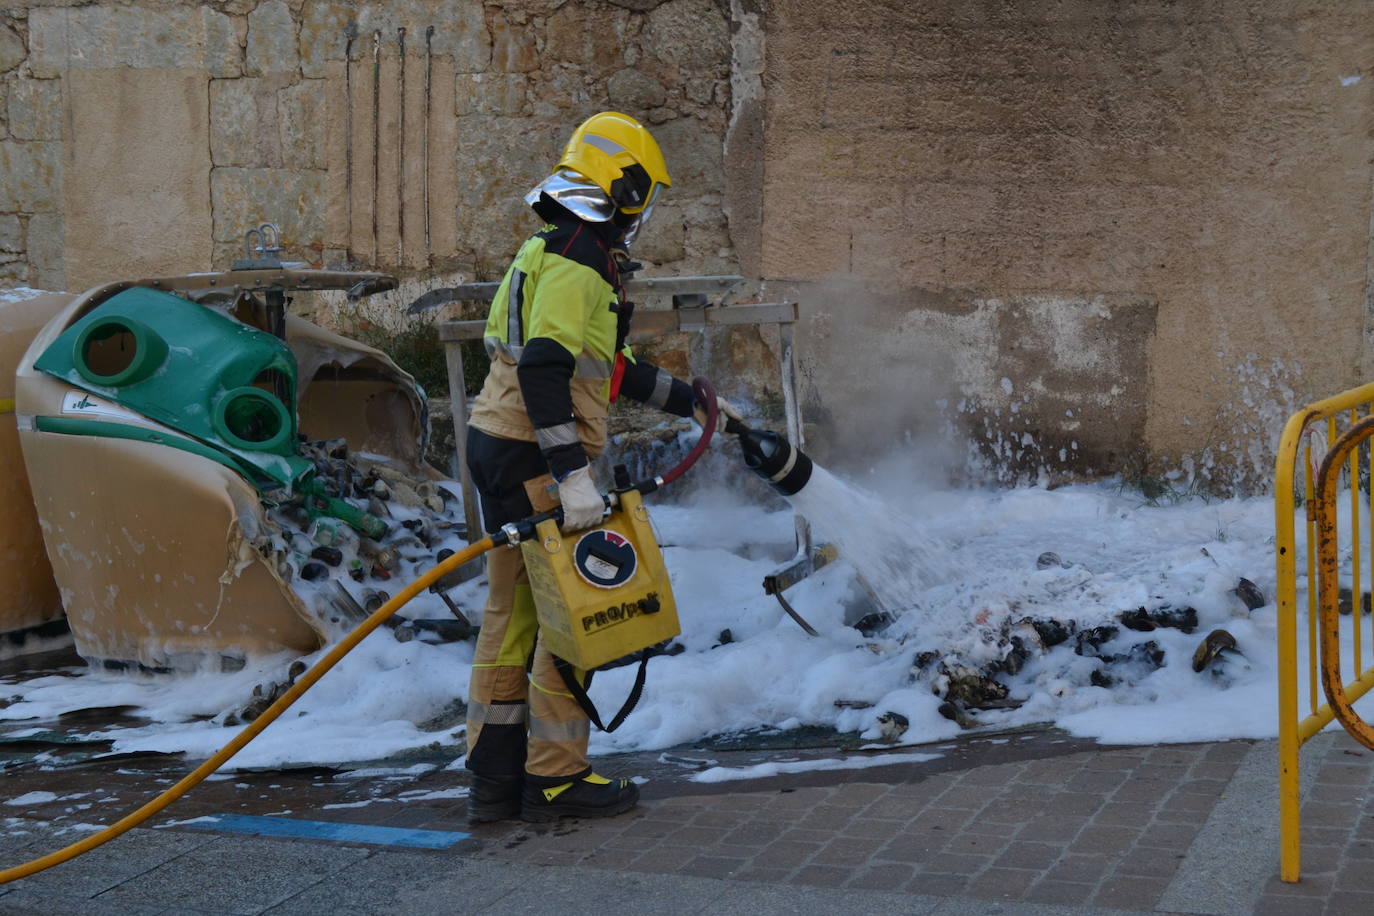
pixel 880 383
pixel 913 390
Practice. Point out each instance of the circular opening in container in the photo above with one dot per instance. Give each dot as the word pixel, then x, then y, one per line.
pixel 117 351
pixel 250 418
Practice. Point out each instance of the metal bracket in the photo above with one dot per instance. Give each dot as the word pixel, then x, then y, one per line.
pixel 691 309
pixel 810 630
pixel 261 249
pixel 793 571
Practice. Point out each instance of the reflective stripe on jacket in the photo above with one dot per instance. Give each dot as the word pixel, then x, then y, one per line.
pixel 551 336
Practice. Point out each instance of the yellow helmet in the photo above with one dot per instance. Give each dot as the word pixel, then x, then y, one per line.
pixel 619 155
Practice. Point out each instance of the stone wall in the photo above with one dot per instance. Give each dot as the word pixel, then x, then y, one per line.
pixel 30 165
pixel 1119 233
pixel 1097 236
pixel 398 134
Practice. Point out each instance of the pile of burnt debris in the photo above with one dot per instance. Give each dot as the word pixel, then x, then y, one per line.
pixel 965 687
pixel 345 541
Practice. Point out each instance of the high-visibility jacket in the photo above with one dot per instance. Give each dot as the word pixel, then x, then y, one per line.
pixel 556 338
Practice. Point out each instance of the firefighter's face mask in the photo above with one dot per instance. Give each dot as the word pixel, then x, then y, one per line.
pixel 633 222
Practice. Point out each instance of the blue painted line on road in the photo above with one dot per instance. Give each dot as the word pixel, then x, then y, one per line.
pixel 327 830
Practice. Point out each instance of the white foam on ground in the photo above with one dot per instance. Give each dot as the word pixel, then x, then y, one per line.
pixel 33 798
pixel 433 794
pixel 778 768
pixel 203 819
pixel 980 572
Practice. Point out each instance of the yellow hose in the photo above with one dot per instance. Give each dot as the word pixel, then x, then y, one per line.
pixel 256 727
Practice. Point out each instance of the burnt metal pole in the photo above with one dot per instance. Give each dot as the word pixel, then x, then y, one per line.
pixel 458 404
pixel 401 155
pixel 376 135
pixel 429 110
pixel 787 357
pixel 350 33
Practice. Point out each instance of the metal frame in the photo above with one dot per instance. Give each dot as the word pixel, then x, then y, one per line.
pixel 279 277
pixel 1328 577
pixel 1322 597
pixel 690 312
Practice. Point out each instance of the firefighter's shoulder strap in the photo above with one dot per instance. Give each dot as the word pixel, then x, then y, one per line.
pixel 579 693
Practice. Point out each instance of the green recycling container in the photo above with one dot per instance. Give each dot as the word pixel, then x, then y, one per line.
pixel 227 385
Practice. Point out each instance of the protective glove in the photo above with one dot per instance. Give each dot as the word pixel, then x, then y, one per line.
pixel 724 408
pixel 583 506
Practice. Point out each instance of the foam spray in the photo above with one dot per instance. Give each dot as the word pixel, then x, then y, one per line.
pixel 895 559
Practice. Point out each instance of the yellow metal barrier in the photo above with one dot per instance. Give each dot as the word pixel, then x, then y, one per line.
pixel 1328 578
pixel 1305 438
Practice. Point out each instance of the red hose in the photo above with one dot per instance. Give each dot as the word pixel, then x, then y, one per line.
pixel 706 397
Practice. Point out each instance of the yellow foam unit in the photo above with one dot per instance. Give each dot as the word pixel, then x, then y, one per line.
pixel 604 593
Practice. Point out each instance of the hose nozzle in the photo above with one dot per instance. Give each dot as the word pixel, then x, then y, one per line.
pixel 775 459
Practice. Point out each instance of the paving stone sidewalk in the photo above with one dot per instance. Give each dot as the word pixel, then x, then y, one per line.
pixel 1104 829
pixel 1040 828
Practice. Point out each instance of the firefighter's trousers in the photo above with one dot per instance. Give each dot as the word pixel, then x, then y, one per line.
pixel 520 714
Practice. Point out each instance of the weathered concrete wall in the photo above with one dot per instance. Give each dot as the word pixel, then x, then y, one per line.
pixel 1203 169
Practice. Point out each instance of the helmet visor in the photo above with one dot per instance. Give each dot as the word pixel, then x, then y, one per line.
pixel 642 216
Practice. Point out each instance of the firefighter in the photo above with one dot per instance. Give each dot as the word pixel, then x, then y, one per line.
pixel 556 338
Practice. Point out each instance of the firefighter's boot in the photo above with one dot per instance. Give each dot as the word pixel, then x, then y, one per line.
pixel 494 798
pixel 582 795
